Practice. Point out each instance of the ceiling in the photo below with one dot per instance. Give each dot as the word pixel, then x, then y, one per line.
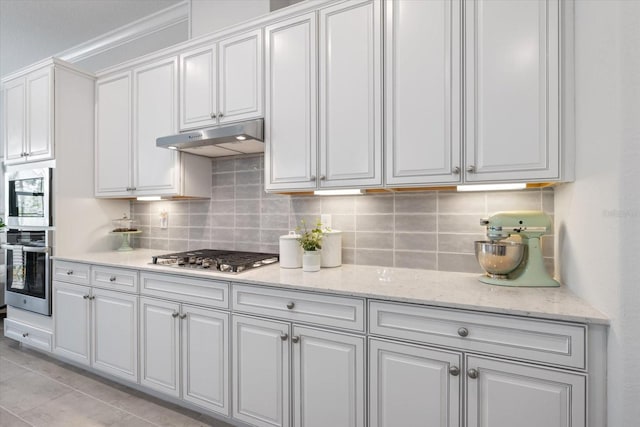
pixel 31 30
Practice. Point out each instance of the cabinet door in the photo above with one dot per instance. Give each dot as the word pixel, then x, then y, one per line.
pixel 422 83
pixel 198 97
pixel 114 333
pixel 350 95
pixel 260 371
pixel 71 321
pixel 328 379
pixel 205 358
pixel 512 96
pixel 14 120
pixel 160 345
pixel 113 135
pixel 505 394
pixel 39 144
pixel 155 103
pixel 291 117
pixel 240 75
pixel 413 386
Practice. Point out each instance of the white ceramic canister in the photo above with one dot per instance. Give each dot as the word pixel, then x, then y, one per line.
pixel 290 251
pixel 331 248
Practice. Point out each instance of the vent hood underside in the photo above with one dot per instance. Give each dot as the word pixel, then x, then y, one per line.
pixel 226 140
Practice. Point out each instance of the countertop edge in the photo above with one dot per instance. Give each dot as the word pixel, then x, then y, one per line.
pixel 244 278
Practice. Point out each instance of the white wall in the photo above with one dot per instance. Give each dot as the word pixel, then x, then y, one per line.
pixel 598 216
pixel 208 15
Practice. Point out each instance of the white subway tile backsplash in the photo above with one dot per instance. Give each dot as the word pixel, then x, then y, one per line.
pixel 431 230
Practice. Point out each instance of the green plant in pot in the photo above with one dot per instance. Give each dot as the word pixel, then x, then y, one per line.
pixel 311 242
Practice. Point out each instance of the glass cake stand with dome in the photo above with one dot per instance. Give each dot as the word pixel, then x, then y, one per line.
pixel 125 227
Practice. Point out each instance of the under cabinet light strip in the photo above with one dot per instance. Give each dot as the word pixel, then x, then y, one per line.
pixel 345 192
pixel 492 187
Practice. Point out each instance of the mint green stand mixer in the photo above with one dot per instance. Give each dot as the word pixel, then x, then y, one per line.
pixel 509 263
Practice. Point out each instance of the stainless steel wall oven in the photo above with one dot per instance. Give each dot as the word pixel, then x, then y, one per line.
pixel 28 281
pixel 28 197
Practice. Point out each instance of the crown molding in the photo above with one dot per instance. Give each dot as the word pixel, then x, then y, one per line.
pixel 145 26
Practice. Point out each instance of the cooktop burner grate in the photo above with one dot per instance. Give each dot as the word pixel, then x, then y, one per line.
pixel 216 259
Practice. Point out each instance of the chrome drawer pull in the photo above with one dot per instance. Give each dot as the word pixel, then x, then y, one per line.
pixel 112 278
pixel 290 305
pixel 463 332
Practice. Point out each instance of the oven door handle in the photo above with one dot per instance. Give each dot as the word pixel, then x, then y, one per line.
pixel 36 249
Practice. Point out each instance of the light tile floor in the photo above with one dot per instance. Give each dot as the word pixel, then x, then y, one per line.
pixel 37 390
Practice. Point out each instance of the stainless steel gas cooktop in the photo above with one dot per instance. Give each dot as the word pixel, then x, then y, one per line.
pixel 216 259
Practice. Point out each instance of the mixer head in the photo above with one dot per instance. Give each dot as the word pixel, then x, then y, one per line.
pixel 524 223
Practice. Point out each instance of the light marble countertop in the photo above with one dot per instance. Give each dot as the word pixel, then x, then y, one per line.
pixel 435 288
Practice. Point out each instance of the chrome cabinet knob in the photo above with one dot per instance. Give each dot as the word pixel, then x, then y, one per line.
pixel 454 370
pixel 456 170
pixel 85 297
pixel 214 115
pixel 290 305
pixel 312 178
pixel 463 332
pixel 112 278
pixel 183 316
pixel 91 298
pixel 472 373
pixel 295 339
pixel 284 336
pixel 471 168
pixel 175 314
pixel 221 115
pixel 26 334
pixel 69 272
pixel 322 177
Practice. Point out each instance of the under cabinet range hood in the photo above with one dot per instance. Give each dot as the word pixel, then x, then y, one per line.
pixel 226 140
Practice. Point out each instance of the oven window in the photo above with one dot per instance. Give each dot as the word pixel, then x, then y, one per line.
pixel 26 197
pixel 26 275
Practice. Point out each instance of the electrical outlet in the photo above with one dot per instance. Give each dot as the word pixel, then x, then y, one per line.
pixel 164 219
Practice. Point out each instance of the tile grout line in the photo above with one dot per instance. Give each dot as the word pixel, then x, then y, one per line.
pixel 16 415
pixel 79 391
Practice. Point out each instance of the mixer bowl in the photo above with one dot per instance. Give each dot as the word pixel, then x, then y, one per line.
pixel 499 258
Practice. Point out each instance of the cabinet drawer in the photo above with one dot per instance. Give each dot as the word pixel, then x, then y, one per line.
pixel 115 278
pixel 537 340
pixel 29 335
pixel 205 292
pixel 324 310
pixel 71 272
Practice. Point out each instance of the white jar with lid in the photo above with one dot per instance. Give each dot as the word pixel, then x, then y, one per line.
pixel 331 248
pixel 290 251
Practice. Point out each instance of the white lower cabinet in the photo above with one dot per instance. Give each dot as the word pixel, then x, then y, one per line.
pixel 327 374
pixel 184 352
pixel 505 394
pixel 413 386
pixel 97 327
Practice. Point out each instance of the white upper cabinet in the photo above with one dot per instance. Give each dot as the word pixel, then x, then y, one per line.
pixel 512 90
pixel 133 109
pixel 422 88
pixel 28 117
pixel 241 74
pixel 222 82
pixel 113 134
pixel 291 143
pixel 155 101
pixel 350 95
pixel 198 88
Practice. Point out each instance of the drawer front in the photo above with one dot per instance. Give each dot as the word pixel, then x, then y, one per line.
pixel 71 272
pixel 206 292
pixel 29 335
pixel 537 340
pixel 119 279
pixel 326 310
